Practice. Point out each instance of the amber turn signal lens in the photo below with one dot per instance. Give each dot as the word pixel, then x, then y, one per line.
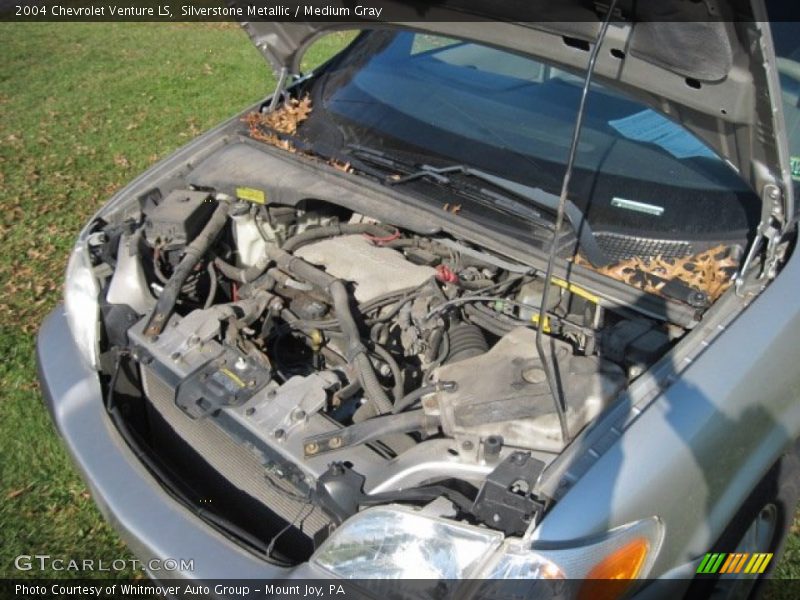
pixel 609 578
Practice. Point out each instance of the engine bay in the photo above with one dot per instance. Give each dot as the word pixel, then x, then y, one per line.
pixel 322 361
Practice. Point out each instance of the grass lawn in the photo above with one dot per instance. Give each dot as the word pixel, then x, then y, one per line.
pixel 83 109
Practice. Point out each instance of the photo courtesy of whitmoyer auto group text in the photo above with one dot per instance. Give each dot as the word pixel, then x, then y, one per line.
pixel 399 299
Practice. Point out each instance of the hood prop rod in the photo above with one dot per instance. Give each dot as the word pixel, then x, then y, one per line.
pixel 280 87
pixel 552 378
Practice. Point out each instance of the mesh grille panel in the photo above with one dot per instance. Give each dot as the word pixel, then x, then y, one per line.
pixel 620 247
pixel 231 460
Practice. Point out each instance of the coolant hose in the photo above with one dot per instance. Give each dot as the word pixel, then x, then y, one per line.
pixel 194 252
pixel 356 351
pixel 248 274
pixel 242 274
pixel 318 233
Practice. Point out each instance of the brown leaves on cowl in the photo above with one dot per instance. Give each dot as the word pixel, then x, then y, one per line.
pixel 341 166
pixel 710 271
pixel 284 119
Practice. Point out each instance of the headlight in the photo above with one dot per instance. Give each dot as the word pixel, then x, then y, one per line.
pixel 80 300
pixel 396 542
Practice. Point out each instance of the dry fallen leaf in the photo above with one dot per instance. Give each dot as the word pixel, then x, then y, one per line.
pixel 18 492
pixel 341 166
pixel 284 119
pixel 710 271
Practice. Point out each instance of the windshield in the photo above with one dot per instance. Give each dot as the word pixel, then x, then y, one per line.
pixel 511 115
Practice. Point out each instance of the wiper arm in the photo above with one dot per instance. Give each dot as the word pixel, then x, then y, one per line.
pixel 538 196
pixel 486 196
pixel 381 159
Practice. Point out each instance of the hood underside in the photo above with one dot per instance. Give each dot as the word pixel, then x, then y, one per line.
pixel 713 72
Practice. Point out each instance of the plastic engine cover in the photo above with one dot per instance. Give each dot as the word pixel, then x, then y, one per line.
pixel 504 392
pixel 375 271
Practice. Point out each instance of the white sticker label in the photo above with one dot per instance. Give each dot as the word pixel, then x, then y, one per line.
pixel 642 207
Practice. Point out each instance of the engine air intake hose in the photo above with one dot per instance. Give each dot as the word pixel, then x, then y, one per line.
pixel 318 233
pixel 466 341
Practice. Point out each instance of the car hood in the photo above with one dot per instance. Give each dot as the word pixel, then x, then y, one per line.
pixel 716 77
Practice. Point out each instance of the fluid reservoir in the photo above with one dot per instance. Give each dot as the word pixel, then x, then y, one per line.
pixel 530 295
pixel 250 245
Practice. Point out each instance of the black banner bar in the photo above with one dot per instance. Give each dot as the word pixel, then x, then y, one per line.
pixel 371 11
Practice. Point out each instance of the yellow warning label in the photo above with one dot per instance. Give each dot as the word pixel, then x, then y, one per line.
pixel 545 324
pixel 251 194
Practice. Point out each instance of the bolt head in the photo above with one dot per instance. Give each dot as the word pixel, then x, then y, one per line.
pixel 534 375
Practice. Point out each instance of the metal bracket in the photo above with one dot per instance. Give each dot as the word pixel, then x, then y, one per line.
pixel 768 238
pixel 505 501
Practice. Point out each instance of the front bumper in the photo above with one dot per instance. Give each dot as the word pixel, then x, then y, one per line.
pixel 150 521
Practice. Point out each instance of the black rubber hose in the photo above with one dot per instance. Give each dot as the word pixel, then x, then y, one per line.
pixel 466 341
pixel 194 252
pixel 248 274
pixel 212 285
pixel 372 387
pixel 477 285
pixel 242 274
pixel 489 320
pixel 318 233
pixel 265 282
pixel 356 351
pixel 300 268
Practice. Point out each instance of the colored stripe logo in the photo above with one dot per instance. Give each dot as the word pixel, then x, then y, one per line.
pixel 736 562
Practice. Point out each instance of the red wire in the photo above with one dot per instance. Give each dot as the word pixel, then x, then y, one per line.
pixel 379 241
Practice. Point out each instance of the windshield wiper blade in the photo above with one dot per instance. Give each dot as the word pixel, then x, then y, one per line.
pixel 381 159
pixel 537 196
pixel 483 196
